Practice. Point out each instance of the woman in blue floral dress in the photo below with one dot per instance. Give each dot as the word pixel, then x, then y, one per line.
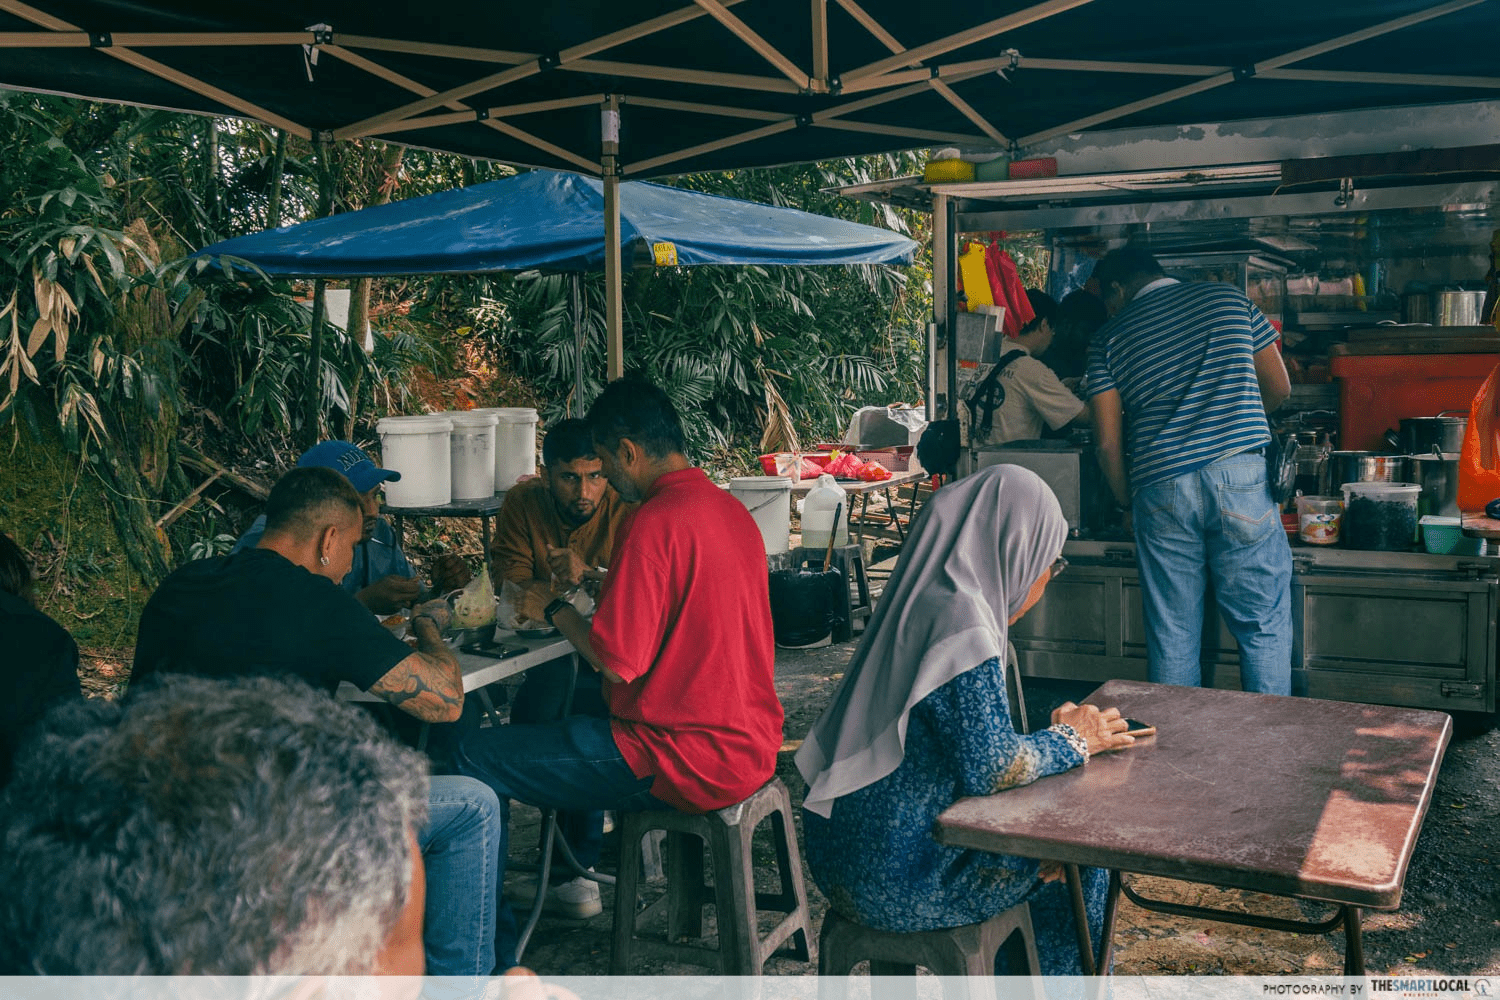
pixel 922 720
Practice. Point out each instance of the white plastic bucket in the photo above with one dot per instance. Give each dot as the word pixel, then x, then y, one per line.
pixel 472 448
pixel 515 444
pixel 417 447
pixel 769 501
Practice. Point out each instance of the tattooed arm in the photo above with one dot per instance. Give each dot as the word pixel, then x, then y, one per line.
pixel 427 684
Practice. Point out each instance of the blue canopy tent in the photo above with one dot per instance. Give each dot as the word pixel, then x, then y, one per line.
pixel 553 221
pixel 545 220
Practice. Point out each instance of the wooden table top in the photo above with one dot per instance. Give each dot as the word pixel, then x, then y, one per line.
pixel 1294 796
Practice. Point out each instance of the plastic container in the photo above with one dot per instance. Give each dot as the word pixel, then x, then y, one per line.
pixel 417 447
pixel 515 444
pixel 947 171
pixel 1380 516
pixel 1319 520
pixel 817 514
pixel 769 501
pixel 1444 536
pixel 472 451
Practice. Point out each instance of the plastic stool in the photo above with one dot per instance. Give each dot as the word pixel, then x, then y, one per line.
pixel 850 561
pixel 742 950
pixel 956 951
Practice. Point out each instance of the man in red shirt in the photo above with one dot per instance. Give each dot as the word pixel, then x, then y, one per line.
pixel 682 637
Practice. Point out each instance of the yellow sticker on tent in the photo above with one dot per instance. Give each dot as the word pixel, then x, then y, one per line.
pixel 665 254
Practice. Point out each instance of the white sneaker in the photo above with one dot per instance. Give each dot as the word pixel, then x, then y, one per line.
pixel 577 899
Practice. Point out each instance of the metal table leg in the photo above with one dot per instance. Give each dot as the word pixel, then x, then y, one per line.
pixel 1354 945
pixel 1081 921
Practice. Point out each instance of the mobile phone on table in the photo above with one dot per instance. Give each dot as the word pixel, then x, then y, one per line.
pixel 1137 728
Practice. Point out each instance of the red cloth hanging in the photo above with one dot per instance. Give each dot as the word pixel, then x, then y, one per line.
pixel 1005 282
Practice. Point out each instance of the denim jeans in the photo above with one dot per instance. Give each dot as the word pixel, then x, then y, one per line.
pixel 570 764
pixel 1216 524
pixel 461 849
pixel 542 699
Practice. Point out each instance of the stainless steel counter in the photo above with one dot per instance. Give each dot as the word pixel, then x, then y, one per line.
pixel 1392 628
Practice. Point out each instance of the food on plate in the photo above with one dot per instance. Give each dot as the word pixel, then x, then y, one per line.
pixel 394 622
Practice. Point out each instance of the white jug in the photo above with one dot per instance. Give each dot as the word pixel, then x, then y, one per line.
pixel 817 514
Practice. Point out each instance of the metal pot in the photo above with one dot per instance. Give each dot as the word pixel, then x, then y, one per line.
pixel 1438 477
pixel 1457 308
pixel 1443 434
pixel 1367 467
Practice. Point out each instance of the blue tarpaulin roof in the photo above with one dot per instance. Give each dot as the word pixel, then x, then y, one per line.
pixel 555 221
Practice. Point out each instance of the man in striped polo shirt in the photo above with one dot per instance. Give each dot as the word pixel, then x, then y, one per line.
pixel 1187 371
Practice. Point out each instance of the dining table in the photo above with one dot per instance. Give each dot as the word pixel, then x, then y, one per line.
pixel 1297 797
pixel 861 490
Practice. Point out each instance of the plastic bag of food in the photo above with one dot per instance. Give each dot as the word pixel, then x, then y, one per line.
pixel 474 607
pixel 1479 462
pixel 873 472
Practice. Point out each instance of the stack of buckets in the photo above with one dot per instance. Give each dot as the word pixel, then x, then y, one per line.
pixel 457 455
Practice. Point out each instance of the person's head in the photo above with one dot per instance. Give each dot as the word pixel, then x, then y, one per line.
pixel 1123 272
pixel 572 471
pixel 1037 334
pixel 637 435
pixel 315 517
pixel 364 475
pixel 212 827
pixel 1078 315
pixel 15 571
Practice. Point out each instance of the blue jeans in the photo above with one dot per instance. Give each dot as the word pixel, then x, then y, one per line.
pixel 542 698
pixel 570 764
pixel 1218 524
pixel 461 849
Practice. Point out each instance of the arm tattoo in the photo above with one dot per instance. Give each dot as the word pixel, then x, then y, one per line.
pixel 425 687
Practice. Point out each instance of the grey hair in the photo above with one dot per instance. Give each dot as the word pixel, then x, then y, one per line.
pixel 214 827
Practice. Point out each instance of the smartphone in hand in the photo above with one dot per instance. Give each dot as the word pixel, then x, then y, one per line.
pixel 1137 728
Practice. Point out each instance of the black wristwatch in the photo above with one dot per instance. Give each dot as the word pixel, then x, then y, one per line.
pixel 556 605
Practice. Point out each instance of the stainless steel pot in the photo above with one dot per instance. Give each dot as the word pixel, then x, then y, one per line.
pixel 1457 308
pixel 1367 467
pixel 1443 434
pixel 1438 477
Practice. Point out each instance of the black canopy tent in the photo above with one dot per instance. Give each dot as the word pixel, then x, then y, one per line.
pixel 641 88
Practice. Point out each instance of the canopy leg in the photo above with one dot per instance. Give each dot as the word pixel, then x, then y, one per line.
pixel 578 406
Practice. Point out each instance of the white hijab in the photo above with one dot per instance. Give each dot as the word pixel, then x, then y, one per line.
pixel 977 549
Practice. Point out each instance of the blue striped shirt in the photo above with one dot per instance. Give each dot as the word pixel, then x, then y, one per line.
pixel 1182 358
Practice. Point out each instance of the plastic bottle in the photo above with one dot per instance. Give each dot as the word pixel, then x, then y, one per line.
pixel 817 514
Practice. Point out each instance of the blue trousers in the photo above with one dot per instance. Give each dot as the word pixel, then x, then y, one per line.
pixel 461 849
pixel 570 764
pixel 1216 523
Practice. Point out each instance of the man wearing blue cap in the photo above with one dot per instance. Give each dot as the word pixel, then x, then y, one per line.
pixel 381 579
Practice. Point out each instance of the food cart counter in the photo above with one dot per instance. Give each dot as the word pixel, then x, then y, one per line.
pixel 1392 628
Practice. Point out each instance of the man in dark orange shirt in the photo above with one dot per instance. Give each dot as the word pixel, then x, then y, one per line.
pixel 682 637
pixel 554 533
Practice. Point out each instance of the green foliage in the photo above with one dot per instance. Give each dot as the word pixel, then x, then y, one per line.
pixel 752 356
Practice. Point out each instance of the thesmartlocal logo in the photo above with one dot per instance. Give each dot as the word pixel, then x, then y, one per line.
pixel 1416 986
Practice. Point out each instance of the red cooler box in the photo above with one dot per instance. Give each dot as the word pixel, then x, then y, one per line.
pixel 1377 391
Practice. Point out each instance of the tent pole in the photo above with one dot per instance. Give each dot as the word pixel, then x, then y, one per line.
pixel 314 402
pixel 950 298
pixel 613 279
pixel 578 407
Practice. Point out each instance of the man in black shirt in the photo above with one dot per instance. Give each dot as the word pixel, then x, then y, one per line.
pixel 38 659
pixel 278 609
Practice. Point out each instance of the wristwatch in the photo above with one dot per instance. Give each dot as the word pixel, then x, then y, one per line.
pixel 554 606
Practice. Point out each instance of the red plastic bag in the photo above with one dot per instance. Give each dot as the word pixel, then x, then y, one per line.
pixel 844 465
pixel 873 472
pixel 1005 283
pixel 1479 462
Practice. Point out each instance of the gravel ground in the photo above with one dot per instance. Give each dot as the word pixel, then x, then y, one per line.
pixel 1449 922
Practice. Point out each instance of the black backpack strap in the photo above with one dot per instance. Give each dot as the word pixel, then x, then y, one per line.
pixel 989 396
